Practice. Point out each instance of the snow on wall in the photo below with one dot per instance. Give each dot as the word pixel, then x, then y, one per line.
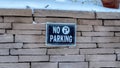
pixel 75 5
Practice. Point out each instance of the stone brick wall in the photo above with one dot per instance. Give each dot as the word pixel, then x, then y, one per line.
pixel 22 43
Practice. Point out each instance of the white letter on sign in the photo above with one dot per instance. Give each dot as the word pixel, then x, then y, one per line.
pixel 51 38
pixel 56 29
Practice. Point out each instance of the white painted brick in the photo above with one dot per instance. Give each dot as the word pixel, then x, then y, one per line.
pixel 100 58
pixel 90 22
pixel 97 33
pixel 83 39
pixel 29 38
pixel 28 51
pixel 4 51
pixel 67 58
pixel 6 38
pixel 39 26
pixel 8 58
pixel 106 28
pixel 44 65
pixel 11 45
pixel 14 65
pixel 106 39
pixel 5 25
pixel 73 65
pixel 104 64
pixel 84 28
pixel 109 45
pixel 63 51
pixel 24 32
pixel 86 45
pixel 96 51
pixel 33 58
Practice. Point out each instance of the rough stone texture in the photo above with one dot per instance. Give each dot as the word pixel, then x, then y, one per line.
pixel 112 22
pixel 106 28
pixel 101 58
pixel 4 51
pixel 78 34
pixel 86 45
pixel 44 65
pixel 29 26
pixel 34 45
pixel 108 15
pixel 63 51
pixel 89 22
pixel 64 13
pixel 105 64
pixel 117 51
pixel 84 28
pixel 15 12
pixel 84 39
pixel 55 20
pixel 33 58
pixel 109 45
pixel 6 38
pixel 29 38
pixel 74 65
pixel 11 45
pixel 105 39
pixel 14 65
pixel 5 25
pixel 98 34
pixel 117 34
pixel 28 32
pixel 18 19
pixel 67 58
pixel 8 58
pixel 28 51
pixel 96 51
pixel 2 31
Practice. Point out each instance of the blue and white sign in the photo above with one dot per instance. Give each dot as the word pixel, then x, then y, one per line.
pixel 61 34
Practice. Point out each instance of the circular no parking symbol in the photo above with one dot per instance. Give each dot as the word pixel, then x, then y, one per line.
pixel 65 30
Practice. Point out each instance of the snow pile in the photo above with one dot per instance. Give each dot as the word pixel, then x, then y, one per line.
pixel 74 5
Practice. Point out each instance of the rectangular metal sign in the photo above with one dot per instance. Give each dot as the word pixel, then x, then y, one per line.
pixel 61 34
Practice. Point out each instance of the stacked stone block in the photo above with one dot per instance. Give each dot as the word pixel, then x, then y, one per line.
pixel 23 33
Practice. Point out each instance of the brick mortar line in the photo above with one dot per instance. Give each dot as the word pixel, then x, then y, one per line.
pixel 103 22
pixel 30 64
pixel 3 19
pixel 58 64
pixel 88 64
pixel 95 14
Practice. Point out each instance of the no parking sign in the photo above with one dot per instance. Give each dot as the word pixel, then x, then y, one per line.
pixel 61 34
